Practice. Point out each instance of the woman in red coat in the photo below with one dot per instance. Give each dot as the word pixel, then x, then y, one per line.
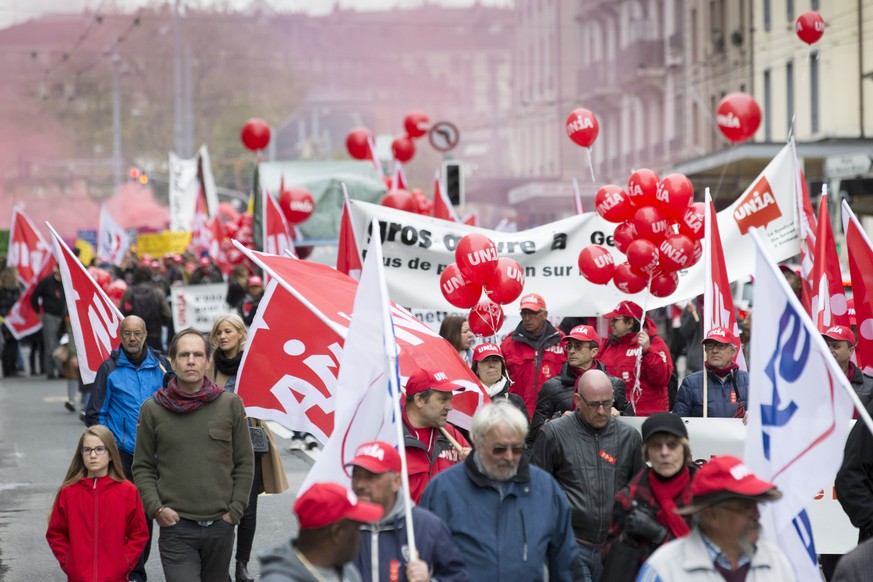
pixel 97 527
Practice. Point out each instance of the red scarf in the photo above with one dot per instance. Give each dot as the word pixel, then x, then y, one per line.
pixel 665 493
pixel 175 400
pixel 722 372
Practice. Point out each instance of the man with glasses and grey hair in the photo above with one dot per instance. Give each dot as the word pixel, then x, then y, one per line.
pixel 592 456
pixel 128 377
pixel 510 519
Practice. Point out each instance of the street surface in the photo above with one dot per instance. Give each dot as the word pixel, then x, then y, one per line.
pixel 37 438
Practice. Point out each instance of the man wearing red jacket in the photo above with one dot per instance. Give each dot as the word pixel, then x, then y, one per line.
pixel 425 428
pixel 630 342
pixel 533 352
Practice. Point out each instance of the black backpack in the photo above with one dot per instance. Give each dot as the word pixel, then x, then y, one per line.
pixel 145 303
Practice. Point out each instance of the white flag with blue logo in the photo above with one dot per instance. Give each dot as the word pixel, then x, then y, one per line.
pixel 800 405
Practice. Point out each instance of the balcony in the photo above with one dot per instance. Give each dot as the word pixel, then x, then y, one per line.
pixel 640 60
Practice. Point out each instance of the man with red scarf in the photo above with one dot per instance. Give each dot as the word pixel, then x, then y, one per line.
pixel 195 436
pixel 728 386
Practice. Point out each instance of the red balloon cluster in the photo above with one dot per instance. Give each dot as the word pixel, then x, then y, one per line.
pixel 255 134
pixel 476 268
pixel 416 124
pixel 659 230
pixel 297 204
pixel 809 27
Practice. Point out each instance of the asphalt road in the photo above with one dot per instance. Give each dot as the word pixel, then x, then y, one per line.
pixel 37 438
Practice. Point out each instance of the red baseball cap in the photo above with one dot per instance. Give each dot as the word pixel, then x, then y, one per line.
pixel 327 503
pixel 582 333
pixel 429 379
pixel 533 302
pixel 626 309
pixel 482 351
pixel 721 335
pixel 204 261
pixel 840 333
pixel 724 478
pixel 255 281
pixel 376 457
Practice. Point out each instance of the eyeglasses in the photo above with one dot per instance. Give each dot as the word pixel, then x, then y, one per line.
pixel 742 507
pixel 133 334
pixel 709 346
pixel 98 450
pixel 607 404
pixel 500 450
pixel 576 346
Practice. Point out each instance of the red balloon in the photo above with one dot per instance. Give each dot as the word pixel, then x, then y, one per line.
pixel 675 252
pixel 115 291
pixel 663 284
pixel 642 256
pixel 358 143
pixel 486 318
pixel 675 194
pixel 457 290
pixel 402 148
pixel 582 127
pixel 809 27
pixel 642 187
pixel 255 134
pixel 297 204
pixel 596 264
pixel 507 282
pixel 227 212
pixel 650 224
pixel 613 204
pixel 696 253
pixel 423 204
pixel 692 221
pixel 416 124
pixel 101 277
pixel 627 280
pixel 738 116
pixel 476 257
pixel 623 236
pixel 399 199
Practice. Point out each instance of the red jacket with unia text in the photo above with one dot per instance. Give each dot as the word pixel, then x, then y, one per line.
pixel 530 362
pixel 422 467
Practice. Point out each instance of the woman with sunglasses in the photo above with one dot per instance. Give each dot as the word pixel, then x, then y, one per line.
pixel 97 528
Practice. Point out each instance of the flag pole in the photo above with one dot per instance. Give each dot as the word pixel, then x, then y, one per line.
pixel 705 386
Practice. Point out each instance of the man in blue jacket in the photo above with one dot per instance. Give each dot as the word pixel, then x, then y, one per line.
pixel 384 553
pixel 728 386
pixel 510 519
pixel 128 377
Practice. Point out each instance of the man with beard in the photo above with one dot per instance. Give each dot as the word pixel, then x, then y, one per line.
pixel 510 519
pixel 724 540
pixel 533 352
pixel 384 553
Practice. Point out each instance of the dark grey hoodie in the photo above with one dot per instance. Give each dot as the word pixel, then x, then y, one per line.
pixel 281 564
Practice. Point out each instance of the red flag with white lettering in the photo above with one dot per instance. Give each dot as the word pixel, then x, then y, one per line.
pixel 277 236
pixel 22 320
pixel 861 268
pixel 94 318
pixel 27 248
pixel 289 372
pixel 829 305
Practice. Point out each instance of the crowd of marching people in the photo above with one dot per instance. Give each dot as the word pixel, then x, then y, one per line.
pixel 546 483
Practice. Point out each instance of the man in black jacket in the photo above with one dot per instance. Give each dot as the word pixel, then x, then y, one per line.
pixel 592 456
pixel 556 396
pixel 49 301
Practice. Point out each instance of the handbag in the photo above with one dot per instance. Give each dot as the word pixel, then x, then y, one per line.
pixel 623 562
pixel 260 444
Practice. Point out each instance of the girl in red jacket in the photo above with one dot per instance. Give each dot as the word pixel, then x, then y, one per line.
pixel 97 527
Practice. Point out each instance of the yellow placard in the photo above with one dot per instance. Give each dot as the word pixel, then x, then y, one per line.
pixel 157 244
pixel 86 251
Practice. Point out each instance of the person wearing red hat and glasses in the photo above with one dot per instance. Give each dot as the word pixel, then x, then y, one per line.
pixel 384 554
pixel 490 368
pixel 727 385
pixel 533 351
pixel 329 537
pixel 425 417
pixel 724 541
pixel 634 338
pixel 555 399
pixel 841 342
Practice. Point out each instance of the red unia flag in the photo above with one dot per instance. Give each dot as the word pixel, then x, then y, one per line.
pixel 718 303
pixel 861 269
pixel 829 304
pixel 201 229
pixel 22 320
pixel 277 236
pixel 808 228
pixel 94 319
pixel 442 206
pixel 348 258
pixel 27 248
pixel 289 372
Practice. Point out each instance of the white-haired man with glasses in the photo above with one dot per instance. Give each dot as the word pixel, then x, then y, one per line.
pixel 510 520
pixel 592 456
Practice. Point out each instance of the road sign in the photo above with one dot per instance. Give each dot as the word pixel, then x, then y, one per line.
pixel 443 136
pixel 847 166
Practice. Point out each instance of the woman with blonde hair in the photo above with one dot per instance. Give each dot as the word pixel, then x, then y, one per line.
pixel 228 337
pixel 97 528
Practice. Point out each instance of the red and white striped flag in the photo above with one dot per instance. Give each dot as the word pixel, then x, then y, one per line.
pixel 829 305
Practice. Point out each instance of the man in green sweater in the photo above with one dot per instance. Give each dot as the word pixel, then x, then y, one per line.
pixel 194 434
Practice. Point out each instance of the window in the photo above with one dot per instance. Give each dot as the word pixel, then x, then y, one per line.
pixel 768 126
pixel 789 10
pixel 789 93
pixel 766 14
pixel 813 92
pixel 813 4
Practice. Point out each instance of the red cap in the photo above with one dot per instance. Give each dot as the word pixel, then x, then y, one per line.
pixel 376 457
pixel 721 335
pixel 482 351
pixel 327 503
pixel 204 261
pixel 255 281
pixel 626 309
pixel 724 478
pixel 533 302
pixel 840 333
pixel 428 379
pixel 179 259
pixel 582 333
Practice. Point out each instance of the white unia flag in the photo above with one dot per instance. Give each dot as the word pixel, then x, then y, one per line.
pixel 112 240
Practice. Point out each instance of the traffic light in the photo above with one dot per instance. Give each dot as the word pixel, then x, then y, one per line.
pixel 138 175
pixel 454 180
